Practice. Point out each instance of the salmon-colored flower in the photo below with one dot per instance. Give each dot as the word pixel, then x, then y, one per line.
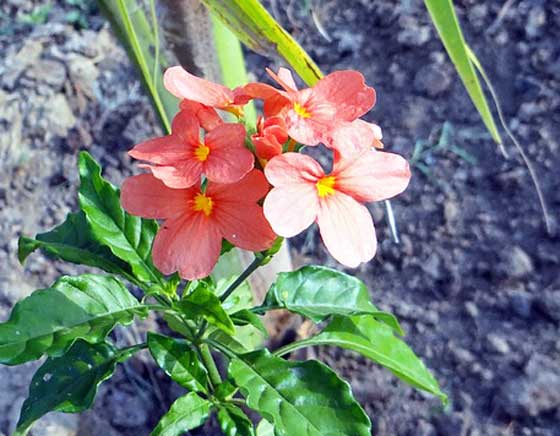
pixel 206 116
pixel 304 194
pixel 190 238
pixel 311 113
pixel 354 137
pixel 180 159
pixel 185 85
pixel 270 137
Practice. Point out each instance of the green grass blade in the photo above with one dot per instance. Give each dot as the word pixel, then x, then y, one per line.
pixel 132 27
pixel 532 172
pixel 447 25
pixel 259 31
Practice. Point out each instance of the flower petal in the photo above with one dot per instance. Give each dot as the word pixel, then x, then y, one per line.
pixel 164 150
pixel 244 226
pixel 229 160
pixel 347 92
pixel 285 76
pixel 249 189
pixel 148 197
pixel 354 137
pixel 371 175
pixel 189 244
pixel 293 168
pixel 347 229
pixel 290 209
pixel 207 117
pixel 182 84
pixel 184 175
pixel 186 125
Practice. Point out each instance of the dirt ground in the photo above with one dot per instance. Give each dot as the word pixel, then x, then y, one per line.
pixel 475 280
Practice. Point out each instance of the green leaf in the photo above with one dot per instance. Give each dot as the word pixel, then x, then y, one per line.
pixel 234 422
pixel 241 298
pixel 376 341
pixel 256 28
pixel 179 361
pixel 73 241
pixel 229 341
pixel 318 292
pixel 186 413
pixel 265 428
pixel 447 25
pixel 128 237
pixel 300 398
pixel 246 317
pixel 141 40
pixel 50 320
pixel 69 383
pixel 203 302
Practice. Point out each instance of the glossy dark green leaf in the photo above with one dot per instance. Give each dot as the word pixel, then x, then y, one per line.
pixel 318 292
pixel 246 317
pixel 69 383
pixel 73 241
pixel 50 320
pixel 234 422
pixel 203 302
pixel 376 341
pixel 229 341
pixel 186 413
pixel 300 398
pixel 128 237
pixel 179 361
pixel 265 428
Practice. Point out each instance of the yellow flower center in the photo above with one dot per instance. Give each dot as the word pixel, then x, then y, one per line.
pixel 301 110
pixel 203 204
pixel 325 186
pixel 201 152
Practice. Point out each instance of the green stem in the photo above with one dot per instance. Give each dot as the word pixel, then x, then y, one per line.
pixel 248 271
pixel 210 365
pixel 221 347
pixel 137 50
pixel 293 347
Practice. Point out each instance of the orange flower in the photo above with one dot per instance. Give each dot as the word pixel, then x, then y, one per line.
pixel 185 85
pixel 304 194
pixel 312 113
pixel 270 137
pixel 180 159
pixel 190 239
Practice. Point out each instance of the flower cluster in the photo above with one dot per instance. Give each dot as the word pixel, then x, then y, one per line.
pixel 206 188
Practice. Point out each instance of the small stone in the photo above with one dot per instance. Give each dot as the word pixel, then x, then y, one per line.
pixel 17 64
pixel 517 263
pixel 521 303
pixel 432 267
pixel 432 80
pixel 472 309
pixel 450 211
pixel 414 36
pixel 536 21
pixel 497 344
pixel 48 71
pixel 549 304
pixel 59 115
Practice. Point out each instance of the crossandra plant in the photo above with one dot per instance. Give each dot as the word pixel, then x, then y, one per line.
pixel 214 186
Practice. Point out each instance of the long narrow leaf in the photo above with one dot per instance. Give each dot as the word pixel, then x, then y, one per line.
pixel 447 25
pixel 132 26
pixel 258 30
